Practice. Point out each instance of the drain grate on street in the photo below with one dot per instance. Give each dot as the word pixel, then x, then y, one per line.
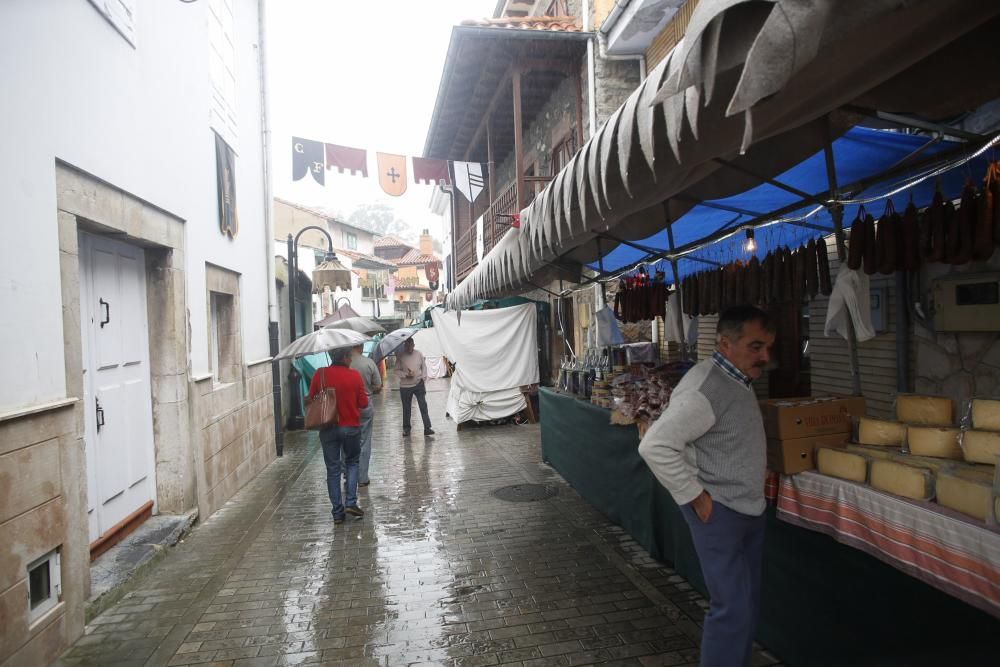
pixel 525 493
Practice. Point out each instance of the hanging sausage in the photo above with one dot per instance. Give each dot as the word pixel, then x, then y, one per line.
pixel 909 239
pixel 823 262
pixel 720 275
pixel 964 227
pixel 777 275
pixel 872 249
pixel 887 237
pixel 812 271
pixel 798 274
pixel 982 242
pixel 752 282
pixel 856 241
pixel 994 187
pixel 766 271
pixel 932 230
pixel 788 271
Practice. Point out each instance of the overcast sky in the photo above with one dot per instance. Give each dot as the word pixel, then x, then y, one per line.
pixel 362 74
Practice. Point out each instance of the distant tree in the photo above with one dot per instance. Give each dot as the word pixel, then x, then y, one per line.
pixel 381 219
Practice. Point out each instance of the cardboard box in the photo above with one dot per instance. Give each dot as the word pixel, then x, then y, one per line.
pixel 791 418
pixel 799 454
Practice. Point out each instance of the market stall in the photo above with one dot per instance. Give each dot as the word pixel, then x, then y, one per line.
pixel 495 355
pixel 426 340
pixel 824 602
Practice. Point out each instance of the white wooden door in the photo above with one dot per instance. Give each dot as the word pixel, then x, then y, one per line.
pixel 118 408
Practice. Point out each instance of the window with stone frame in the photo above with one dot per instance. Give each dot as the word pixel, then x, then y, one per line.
pixel 225 349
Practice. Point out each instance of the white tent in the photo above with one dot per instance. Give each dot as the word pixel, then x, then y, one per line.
pixel 495 353
pixel 426 340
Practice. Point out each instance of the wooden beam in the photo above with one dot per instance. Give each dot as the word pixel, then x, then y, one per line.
pixel 518 140
pixel 500 90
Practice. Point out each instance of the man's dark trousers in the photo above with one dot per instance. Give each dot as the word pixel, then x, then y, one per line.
pixel 407 394
pixel 729 547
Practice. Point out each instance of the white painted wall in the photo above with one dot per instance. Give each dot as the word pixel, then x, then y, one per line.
pixel 75 90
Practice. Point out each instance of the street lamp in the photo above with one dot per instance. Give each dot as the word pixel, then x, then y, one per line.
pixel 330 273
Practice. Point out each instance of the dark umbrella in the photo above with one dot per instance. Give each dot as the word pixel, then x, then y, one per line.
pixel 391 342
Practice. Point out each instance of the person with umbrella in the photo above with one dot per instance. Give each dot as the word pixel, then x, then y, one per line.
pixel 373 384
pixel 343 439
pixel 411 370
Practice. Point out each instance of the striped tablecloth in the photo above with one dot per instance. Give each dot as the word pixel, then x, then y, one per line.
pixel 945 549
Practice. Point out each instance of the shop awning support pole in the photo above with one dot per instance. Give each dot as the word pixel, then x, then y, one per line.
pixel 682 344
pixel 837 214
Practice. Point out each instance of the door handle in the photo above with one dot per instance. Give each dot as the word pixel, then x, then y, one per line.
pixel 107 312
pixel 100 415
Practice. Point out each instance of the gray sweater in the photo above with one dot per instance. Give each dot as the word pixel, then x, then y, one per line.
pixel 710 437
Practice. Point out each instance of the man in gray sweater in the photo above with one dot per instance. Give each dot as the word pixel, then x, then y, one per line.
pixel 709 450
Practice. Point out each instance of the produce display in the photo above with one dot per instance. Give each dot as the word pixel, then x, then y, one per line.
pixel 641 394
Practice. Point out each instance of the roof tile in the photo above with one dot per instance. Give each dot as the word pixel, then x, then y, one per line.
pixel 545 23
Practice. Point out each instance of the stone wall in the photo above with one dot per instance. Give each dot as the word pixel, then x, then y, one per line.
pixel 236 439
pixel 43 507
pixel 959 365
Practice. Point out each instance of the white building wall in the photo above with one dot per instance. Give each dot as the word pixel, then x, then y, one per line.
pixel 138 118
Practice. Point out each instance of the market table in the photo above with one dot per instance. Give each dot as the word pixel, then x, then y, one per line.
pixel 824 603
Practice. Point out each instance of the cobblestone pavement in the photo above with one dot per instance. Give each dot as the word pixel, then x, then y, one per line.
pixel 437 572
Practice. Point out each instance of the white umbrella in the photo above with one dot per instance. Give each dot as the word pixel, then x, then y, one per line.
pixel 360 324
pixel 323 340
pixel 391 342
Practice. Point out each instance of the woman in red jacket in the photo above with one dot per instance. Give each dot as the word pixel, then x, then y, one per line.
pixel 344 439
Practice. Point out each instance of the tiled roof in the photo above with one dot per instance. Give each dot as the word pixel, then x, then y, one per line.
pixel 545 23
pixel 414 257
pixel 390 242
pixel 355 255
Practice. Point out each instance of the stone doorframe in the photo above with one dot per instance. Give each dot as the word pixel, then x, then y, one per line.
pixel 86 203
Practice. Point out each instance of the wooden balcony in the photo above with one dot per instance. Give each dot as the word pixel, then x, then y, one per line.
pixel 496 222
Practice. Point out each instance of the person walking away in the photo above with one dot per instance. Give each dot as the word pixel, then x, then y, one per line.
pixel 709 450
pixel 343 440
pixel 372 378
pixel 411 369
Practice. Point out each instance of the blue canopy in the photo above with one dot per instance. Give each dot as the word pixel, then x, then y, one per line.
pixel 859 154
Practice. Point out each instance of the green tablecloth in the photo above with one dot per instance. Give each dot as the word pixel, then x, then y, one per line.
pixel 823 603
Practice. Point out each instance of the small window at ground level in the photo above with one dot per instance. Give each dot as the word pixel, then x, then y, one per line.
pixel 44 585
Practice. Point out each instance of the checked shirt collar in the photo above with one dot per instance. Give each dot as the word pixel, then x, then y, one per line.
pixel 730 369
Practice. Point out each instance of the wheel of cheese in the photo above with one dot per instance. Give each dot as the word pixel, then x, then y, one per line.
pixel 981 446
pixel 985 414
pixel 969 494
pixel 901 479
pixel 925 410
pixel 838 463
pixel 934 441
pixel 871 451
pixel 882 433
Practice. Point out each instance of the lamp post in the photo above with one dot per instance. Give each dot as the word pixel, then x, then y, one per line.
pixel 330 272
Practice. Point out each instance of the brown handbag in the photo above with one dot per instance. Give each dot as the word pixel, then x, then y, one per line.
pixel 321 409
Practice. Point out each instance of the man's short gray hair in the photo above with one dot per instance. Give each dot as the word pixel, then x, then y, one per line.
pixel 732 319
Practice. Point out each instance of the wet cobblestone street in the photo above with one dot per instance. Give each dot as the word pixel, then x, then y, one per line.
pixel 438 571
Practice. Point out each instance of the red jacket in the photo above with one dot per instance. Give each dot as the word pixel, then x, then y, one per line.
pixel 350 388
